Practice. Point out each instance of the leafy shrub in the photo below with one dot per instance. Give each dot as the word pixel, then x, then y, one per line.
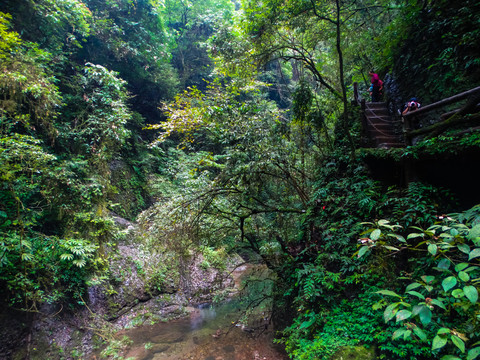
pixel 440 307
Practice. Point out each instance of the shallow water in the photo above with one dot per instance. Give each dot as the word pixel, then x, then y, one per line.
pixel 209 333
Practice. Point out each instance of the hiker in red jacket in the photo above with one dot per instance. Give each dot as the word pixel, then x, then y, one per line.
pixel 376 85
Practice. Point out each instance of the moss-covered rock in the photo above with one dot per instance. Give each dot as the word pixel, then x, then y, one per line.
pixel 355 353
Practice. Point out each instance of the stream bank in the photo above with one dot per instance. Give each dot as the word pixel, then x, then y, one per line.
pixel 140 287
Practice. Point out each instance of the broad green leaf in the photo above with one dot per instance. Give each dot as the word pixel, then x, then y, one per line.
pixel 471 293
pixel 432 249
pixel 444 264
pixel 449 283
pixel 416 310
pixel 417 294
pixel 403 315
pixel 462 275
pixel 464 248
pixel 457 293
pixel 474 232
pixel 474 253
pixel 458 343
pixel 439 342
pixel 375 235
pixel 362 251
pixel 442 331
pixel 461 266
pixel 471 268
pixel 473 353
pixel 308 323
pixel 390 247
pixel 413 286
pixel 414 235
pixel 400 238
pixel 450 357
pixel 425 315
pixel 407 334
pixel 438 303
pixel 390 312
pixel 388 292
pixel 420 333
pixel 398 333
pixel 428 278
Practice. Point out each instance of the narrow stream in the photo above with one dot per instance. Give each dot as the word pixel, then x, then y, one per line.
pixel 209 333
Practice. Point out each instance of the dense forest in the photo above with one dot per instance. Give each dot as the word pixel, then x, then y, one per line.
pixel 221 127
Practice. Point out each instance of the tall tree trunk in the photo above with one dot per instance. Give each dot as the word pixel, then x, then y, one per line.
pixel 338 24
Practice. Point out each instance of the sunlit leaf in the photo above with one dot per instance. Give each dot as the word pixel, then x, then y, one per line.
pixel 375 235
pixel 398 333
pixel 439 342
pixel 462 275
pixel 387 292
pixel 473 353
pixel 390 312
pixel 474 253
pixel 464 248
pixel 438 303
pixel 413 286
pixel 414 235
pixel 449 283
pixel 458 343
pixel 420 333
pixel 471 293
pixel 417 294
pixel 457 293
pixel 403 314
pixel 461 266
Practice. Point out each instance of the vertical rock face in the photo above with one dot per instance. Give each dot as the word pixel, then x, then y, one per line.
pixel 392 93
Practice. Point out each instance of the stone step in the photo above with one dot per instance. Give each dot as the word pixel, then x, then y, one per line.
pixel 381 127
pixel 390 145
pixel 380 121
pixel 375 104
pixel 374 113
pixel 386 139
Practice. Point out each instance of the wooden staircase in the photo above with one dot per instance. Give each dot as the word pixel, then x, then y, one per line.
pixel 381 126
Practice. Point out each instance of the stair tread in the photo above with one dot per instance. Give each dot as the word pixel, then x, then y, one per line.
pixel 381 126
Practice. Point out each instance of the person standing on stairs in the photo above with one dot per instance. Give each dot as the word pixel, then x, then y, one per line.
pixel 376 86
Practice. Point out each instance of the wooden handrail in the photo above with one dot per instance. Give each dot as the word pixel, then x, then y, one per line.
pixel 443 102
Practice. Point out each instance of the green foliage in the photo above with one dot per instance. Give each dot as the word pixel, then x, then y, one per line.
pixel 55 25
pixel 345 323
pixel 99 125
pixel 441 305
pixel 444 59
pixel 449 143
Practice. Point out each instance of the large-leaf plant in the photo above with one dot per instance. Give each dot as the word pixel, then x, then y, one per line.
pixel 439 303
